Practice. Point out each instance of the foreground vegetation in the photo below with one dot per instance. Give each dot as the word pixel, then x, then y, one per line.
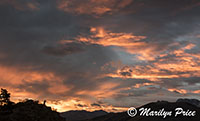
pixel 27 110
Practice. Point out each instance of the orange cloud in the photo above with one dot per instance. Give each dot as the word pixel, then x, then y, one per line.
pixel 150 77
pixel 164 67
pixel 58 88
pixel 127 42
pixel 142 85
pixel 103 91
pixel 106 38
pixel 11 79
pixel 182 91
pixel 182 62
pixel 196 91
pixel 140 72
pixel 92 7
pixel 14 76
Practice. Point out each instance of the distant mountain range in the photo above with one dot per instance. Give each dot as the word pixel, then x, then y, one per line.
pixel 185 104
pixel 33 111
pixel 81 115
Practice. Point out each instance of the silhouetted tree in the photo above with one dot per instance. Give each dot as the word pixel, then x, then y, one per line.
pixel 4 97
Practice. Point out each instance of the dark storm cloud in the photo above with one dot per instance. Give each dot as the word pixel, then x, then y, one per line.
pixel 30 39
pixel 66 49
pixel 80 105
pixel 95 104
pixel 24 32
pixel 31 34
pixel 179 82
pixel 125 71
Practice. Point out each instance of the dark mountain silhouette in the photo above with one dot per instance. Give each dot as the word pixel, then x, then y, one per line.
pixel 191 101
pixel 81 115
pixel 168 106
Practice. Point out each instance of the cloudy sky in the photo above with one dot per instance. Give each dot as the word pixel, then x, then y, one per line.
pixel 100 54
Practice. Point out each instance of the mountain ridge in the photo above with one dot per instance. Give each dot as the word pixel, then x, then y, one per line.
pixel 77 115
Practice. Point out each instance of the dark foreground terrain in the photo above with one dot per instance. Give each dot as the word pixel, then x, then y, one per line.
pixel 28 110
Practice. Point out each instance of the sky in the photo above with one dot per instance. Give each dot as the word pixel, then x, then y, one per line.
pixel 100 54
